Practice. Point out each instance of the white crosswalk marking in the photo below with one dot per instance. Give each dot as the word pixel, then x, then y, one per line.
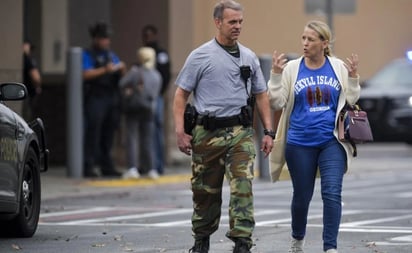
pixel 399 241
pixel 127 217
pixel 170 218
pixel 74 212
pixel 374 221
pixel 272 209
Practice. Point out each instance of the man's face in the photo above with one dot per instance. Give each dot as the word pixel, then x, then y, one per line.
pixel 102 43
pixel 26 48
pixel 149 37
pixel 230 25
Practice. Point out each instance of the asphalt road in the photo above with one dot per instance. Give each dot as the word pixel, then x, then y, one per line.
pixel 106 216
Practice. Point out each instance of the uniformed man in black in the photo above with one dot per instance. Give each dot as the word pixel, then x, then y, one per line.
pixel 102 70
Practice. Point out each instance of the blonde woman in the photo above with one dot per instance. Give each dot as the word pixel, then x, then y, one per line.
pixel 139 125
pixel 311 91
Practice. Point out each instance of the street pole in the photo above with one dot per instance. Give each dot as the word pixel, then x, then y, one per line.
pixel 329 16
pixel 263 163
pixel 74 113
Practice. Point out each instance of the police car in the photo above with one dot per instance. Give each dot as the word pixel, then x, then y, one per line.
pixel 387 98
pixel 23 155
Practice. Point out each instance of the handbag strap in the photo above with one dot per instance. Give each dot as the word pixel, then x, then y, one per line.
pixel 139 84
pixel 355 150
pixel 348 107
pixel 139 76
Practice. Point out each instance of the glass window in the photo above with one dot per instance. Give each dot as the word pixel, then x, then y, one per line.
pixel 398 73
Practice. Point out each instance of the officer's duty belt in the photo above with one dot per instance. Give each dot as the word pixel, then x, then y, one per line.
pixel 219 122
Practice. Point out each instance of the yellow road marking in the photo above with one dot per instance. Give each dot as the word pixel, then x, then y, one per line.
pixel 167 179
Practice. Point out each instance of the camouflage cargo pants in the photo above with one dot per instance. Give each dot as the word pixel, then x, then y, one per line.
pixel 230 152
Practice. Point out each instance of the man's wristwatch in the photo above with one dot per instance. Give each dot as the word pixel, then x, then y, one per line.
pixel 270 132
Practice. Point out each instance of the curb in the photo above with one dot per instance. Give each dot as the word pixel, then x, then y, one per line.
pixel 162 180
pixel 168 179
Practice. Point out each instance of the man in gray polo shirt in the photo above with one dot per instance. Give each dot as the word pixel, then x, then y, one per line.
pixel 224 77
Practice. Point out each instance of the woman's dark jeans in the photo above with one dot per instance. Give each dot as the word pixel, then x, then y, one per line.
pixel 303 163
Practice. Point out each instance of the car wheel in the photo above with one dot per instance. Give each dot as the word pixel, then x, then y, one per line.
pixel 25 223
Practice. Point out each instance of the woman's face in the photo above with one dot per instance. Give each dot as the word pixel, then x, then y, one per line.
pixel 313 46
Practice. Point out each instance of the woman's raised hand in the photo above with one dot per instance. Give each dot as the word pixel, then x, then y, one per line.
pixel 278 62
pixel 352 65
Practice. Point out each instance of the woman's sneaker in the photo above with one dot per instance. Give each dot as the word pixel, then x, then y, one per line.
pixel 131 173
pixel 331 251
pixel 296 246
pixel 153 174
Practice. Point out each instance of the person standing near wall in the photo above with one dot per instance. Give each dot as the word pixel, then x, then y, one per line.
pixel 102 70
pixel 150 39
pixel 223 76
pixel 147 81
pixel 312 90
pixel 31 79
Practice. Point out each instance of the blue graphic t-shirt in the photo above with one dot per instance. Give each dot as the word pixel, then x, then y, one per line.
pixel 316 98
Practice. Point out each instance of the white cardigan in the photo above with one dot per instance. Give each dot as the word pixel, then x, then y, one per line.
pixel 281 96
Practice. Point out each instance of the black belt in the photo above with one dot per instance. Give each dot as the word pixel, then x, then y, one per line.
pixel 219 122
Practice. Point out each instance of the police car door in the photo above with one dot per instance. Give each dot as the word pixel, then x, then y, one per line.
pixel 8 160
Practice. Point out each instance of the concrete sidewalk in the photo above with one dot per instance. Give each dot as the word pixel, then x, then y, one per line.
pixel 56 183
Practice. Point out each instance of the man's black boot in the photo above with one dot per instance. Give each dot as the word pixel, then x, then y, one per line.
pixel 201 246
pixel 241 246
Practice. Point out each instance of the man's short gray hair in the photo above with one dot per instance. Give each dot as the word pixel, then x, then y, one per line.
pixel 225 4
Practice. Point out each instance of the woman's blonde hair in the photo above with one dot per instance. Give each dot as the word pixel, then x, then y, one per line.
pixel 324 33
pixel 147 57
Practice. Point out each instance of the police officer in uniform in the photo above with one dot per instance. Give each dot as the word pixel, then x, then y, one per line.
pixel 102 70
pixel 223 76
